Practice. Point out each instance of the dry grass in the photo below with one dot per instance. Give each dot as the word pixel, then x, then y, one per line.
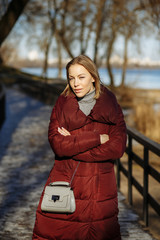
pixel 144 110
pixel 147 120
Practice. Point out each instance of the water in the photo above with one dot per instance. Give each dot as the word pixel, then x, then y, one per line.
pixel 137 78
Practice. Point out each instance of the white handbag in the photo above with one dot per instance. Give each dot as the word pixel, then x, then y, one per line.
pixel 59 197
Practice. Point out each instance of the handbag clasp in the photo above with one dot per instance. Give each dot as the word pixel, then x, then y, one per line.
pixel 55 197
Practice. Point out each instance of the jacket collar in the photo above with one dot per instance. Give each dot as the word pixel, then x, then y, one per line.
pixel 71 117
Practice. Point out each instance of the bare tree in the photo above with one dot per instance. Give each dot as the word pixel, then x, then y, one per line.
pixel 130 27
pixel 62 29
pixel 114 24
pixel 9 14
pixel 85 18
pixel 121 20
pixel 14 10
pixel 52 14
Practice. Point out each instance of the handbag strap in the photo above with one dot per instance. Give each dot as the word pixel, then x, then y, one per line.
pixel 74 173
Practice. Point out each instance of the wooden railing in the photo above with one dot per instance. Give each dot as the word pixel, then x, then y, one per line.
pixel 148 170
pixel 2 105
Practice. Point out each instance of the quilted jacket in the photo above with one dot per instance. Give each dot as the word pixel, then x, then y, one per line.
pixel 94 183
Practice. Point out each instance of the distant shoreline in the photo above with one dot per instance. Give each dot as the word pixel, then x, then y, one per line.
pixel 136 78
pixel 127 97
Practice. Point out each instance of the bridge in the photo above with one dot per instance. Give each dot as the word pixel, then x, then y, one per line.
pixel 25 162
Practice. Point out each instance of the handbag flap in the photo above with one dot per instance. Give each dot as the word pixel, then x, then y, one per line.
pixel 60 191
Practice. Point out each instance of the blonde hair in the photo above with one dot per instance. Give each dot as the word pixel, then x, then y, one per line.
pixel 90 66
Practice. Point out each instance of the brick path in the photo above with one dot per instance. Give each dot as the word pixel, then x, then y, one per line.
pixel 25 162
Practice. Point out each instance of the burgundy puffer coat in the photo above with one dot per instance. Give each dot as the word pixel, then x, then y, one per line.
pixel 94 184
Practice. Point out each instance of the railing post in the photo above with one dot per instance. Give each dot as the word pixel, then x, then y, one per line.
pixel 2 105
pixel 145 188
pixel 118 173
pixel 130 170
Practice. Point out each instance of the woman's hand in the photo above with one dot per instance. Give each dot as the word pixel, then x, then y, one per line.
pixel 63 131
pixel 104 138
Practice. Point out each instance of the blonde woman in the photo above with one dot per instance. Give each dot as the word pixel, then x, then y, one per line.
pixel 86 125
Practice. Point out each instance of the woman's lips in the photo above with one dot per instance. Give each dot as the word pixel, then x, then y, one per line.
pixel 77 90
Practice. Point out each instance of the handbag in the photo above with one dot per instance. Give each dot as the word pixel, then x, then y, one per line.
pixel 59 197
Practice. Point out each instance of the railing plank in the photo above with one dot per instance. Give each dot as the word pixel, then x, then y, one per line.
pixel 139 137
pixel 154 173
pixel 135 157
pixel 155 205
pixel 137 186
pixel 124 170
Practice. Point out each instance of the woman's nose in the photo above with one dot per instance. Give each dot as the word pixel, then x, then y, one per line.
pixel 76 82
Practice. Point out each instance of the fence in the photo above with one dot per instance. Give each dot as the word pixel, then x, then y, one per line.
pixel 148 146
pixel 2 105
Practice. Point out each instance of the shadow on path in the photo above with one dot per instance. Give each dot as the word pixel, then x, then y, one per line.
pixel 26 160
pixel 18 106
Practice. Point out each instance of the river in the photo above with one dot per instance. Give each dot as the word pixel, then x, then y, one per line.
pixel 137 78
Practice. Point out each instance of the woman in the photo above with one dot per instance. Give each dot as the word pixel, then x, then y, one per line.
pixel 86 125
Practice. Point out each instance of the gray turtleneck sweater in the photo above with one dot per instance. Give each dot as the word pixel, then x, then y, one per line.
pixel 87 102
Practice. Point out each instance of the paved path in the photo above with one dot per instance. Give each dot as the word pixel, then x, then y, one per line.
pixel 25 162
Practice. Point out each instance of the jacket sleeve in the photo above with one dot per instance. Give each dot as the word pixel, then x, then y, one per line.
pixel 113 148
pixel 70 145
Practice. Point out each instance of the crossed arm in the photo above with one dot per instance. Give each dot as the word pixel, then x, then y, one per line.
pixel 65 144
pixel 103 137
pixel 88 146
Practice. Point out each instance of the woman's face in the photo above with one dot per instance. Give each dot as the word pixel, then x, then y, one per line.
pixel 80 80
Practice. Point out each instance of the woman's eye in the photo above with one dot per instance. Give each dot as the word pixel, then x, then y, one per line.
pixel 81 77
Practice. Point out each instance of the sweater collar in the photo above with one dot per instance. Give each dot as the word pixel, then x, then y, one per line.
pixel 88 98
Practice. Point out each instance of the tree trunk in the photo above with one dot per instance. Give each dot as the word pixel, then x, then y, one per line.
pixel 99 27
pixel 62 31
pixel 95 52
pixel 59 56
pixel 124 62
pixel 82 36
pixel 65 44
pixel 8 20
pixel 109 53
pixel 45 66
pixel 52 20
